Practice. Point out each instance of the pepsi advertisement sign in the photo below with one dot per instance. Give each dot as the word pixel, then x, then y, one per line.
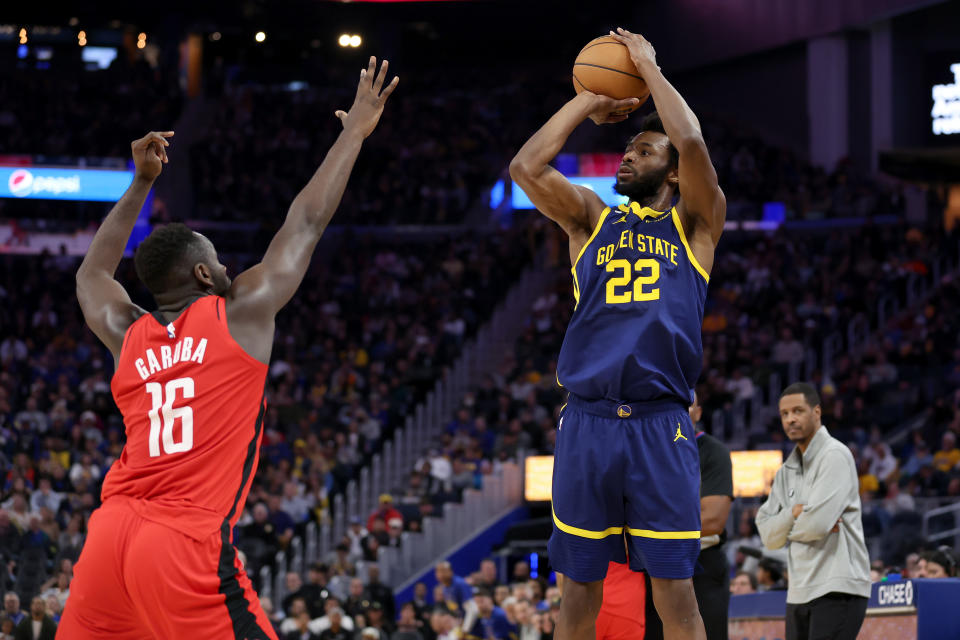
pixel 63 184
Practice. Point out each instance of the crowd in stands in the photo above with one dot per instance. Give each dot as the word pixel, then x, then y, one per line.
pixel 63 111
pixel 440 144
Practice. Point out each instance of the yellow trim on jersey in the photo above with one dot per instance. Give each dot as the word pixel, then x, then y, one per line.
pixel 612 531
pixel 573 269
pixel 585 533
pixel 664 535
pixel 645 212
pixel 686 245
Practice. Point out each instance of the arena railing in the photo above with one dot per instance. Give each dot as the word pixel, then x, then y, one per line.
pixel 949 514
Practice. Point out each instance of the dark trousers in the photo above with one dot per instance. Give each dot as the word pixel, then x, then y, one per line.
pixel 712 586
pixel 835 616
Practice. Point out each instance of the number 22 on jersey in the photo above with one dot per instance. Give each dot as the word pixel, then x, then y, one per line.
pixel 625 270
pixel 163 399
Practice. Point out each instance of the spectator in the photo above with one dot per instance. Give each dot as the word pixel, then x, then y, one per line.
pixel 302 631
pixel 290 624
pixel 770 575
pixel 11 607
pixel 10 537
pixel 342 573
pixel 521 573
pixel 38 626
pixel 294 586
pixel 295 503
pixel 394 533
pixel 356 533
pixel 54 608
pixel 883 464
pixel 454 590
pixel 315 592
pixel 376 618
pixel 420 601
pixel 385 512
pixel 357 602
pixel 501 594
pixel 45 497
pixel 60 591
pixel 939 564
pixel 949 455
pixel 488 575
pixel 336 630
pixel 380 593
pixel 524 618
pixel 333 616
pixel 445 624
pixel 275 617
pixel 919 458
pixel 911 565
pixel 491 621
pixel 18 510
pixel 259 539
pixel 282 522
pixel 408 627
pixel 377 537
pixel 788 349
pixel 742 583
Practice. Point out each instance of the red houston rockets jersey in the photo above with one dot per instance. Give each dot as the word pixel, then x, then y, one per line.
pixel 192 403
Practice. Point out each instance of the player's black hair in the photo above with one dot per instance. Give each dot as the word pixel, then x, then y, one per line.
pixel 809 393
pixel 652 122
pixel 163 254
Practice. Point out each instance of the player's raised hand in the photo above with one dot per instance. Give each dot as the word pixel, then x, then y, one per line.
pixel 371 96
pixel 150 153
pixel 641 51
pixel 606 110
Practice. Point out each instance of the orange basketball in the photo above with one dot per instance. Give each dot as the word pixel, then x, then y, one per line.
pixel 604 67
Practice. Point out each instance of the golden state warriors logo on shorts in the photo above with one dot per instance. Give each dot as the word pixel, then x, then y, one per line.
pixel 624 411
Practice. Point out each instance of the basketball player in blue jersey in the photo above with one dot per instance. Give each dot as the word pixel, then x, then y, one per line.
pixel 626 455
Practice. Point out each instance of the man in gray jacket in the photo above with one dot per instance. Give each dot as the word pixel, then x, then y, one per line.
pixel 814 509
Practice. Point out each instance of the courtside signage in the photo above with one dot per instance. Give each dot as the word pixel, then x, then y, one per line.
pixel 893 594
pixel 49 183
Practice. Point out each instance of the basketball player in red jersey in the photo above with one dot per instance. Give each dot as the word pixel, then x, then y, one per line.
pixel 620 617
pixel 159 560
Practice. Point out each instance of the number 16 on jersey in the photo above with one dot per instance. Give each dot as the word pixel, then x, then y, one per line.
pixel 163 399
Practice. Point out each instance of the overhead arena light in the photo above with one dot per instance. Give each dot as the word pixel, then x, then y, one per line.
pixel 349 40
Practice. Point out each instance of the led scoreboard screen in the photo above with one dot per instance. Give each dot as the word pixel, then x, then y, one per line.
pixel 753 472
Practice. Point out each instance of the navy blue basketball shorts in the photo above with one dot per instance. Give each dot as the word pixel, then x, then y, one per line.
pixel 625 468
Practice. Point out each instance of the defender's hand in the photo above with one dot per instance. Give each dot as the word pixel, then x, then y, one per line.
pixel 150 153
pixel 603 108
pixel 368 105
pixel 641 51
pixel 797 510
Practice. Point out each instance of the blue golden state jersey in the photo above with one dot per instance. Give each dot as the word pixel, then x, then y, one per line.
pixel 635 331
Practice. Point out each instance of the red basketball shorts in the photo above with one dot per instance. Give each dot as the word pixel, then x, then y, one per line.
pixel 139 579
